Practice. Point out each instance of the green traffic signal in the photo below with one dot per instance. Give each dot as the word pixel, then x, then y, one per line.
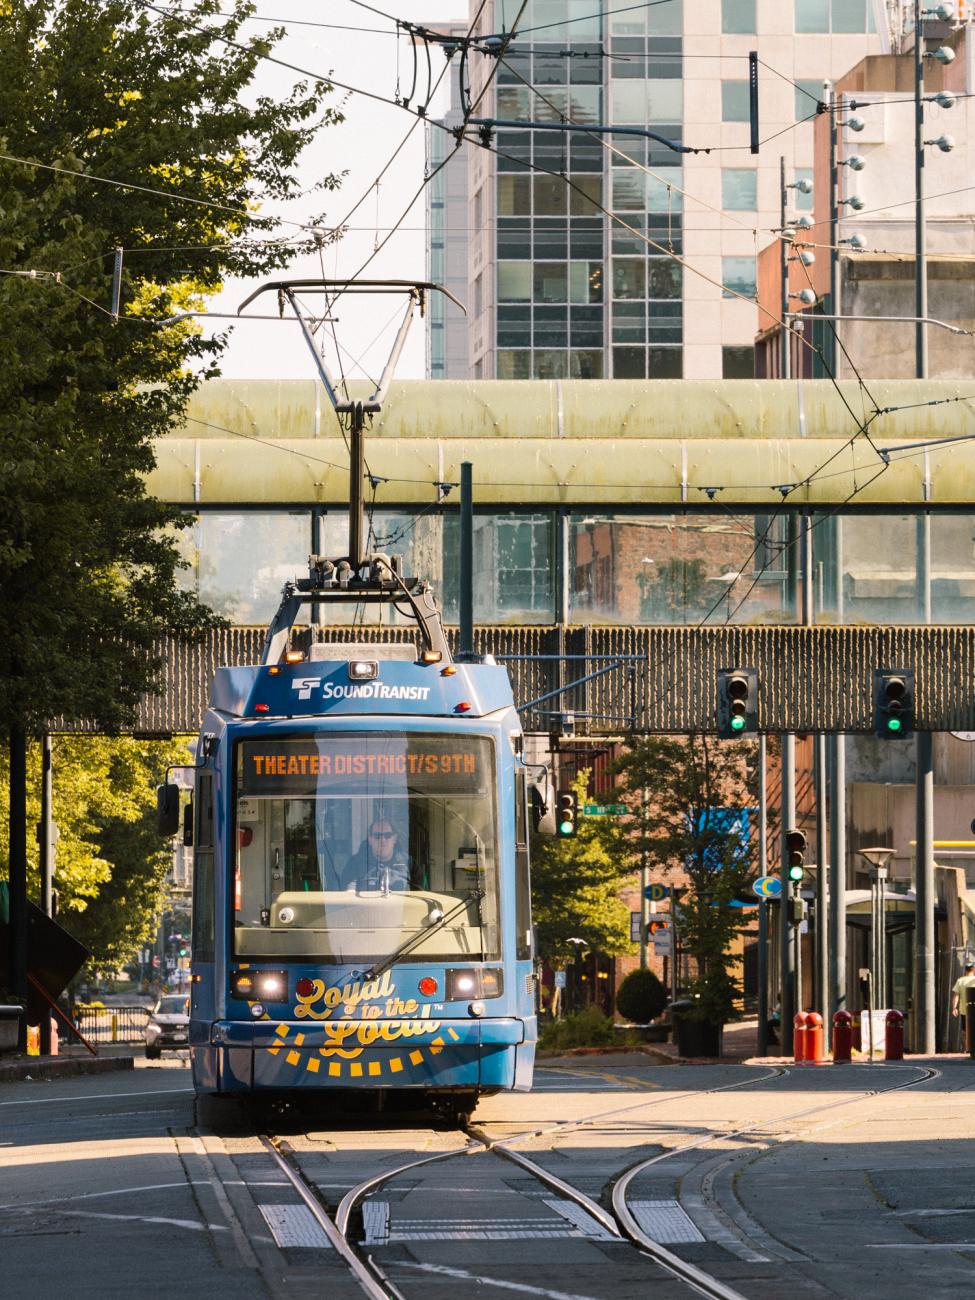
pixel 796 871
pixel 737 724
pixel 894 725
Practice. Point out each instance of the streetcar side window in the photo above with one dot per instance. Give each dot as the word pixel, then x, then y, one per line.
pixel 203 911
pixel 523 895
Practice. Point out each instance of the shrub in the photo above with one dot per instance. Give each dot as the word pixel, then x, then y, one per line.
pixel 641 997
pixel 588 1028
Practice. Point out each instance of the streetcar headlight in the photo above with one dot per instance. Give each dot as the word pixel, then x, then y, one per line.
pixel 266 985
pixel 473 982
pixel 286 915
pixel 257 1010
pixel 363 670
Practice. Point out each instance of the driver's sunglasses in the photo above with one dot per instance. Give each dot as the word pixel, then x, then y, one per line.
pixel 382 835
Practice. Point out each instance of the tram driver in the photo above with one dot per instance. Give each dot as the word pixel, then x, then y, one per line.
pixel 381 861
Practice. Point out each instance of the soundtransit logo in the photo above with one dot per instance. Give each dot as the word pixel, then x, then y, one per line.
pixel 358 690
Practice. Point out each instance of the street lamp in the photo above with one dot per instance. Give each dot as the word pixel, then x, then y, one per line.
pixel 878 859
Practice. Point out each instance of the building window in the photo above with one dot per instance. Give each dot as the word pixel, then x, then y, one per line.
pixel 585 281
pixel 514 196
pixel 661 194
pixel 734 101
pixel 550 364
pixel 738 276
pixel 808 95
pixel 629 277
pixel 738 363
pixel 739 189
pixel 514 282
pixel 629 363
pixel 663 278
pixel 551 282
pixel 737 16
pixel 551 196
pixel 666 363
pixel 514 364
pixel 836 16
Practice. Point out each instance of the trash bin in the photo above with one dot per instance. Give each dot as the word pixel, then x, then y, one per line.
pixel 694 1037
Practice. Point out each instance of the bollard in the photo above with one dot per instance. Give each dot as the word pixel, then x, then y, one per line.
pixel 857 1039
pixel 842 1037
pixel 894 1036
pixel 799 1036
pixel 55 1041
pixel 114 1027
pixel 814 1038
pixel 33 1040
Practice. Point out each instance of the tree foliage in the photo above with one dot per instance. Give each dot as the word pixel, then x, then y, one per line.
pixel 162 107
pixel 110 862
pixel 682 826
pixel 575 888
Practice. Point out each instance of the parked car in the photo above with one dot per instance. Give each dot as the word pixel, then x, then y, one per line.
pixel 168 1025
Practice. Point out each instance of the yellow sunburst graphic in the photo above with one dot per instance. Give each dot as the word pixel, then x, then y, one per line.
pixel 352 1069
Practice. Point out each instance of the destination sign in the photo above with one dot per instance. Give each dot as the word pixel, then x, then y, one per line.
pixel 367 765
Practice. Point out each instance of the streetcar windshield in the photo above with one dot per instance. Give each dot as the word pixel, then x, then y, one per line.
pixel 349 845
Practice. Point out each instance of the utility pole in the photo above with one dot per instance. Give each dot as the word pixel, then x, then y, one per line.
pixel 466 628
pixel 783 273
pixel 787 968
pixel 924 932
pixel 763 903
pixel 644 883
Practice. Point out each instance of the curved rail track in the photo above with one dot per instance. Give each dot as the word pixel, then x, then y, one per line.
pixel 618 1220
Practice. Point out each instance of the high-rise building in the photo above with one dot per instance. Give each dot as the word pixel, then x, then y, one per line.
pixel 557 288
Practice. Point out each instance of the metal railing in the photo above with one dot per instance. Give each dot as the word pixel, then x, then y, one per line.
pixel 123 1024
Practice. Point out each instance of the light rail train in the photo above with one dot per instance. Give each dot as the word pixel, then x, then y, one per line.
pixel 361 896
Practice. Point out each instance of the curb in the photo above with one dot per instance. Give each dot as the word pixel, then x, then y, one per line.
pixel 61 1067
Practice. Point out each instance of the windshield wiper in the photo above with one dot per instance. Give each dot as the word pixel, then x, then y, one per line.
pixel 473 896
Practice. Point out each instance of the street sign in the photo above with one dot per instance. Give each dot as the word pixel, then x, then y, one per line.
pixel 767 886
pixel 604 809
pixel 636 920
pixel 656 893
pixel 560 979
pixel 663 942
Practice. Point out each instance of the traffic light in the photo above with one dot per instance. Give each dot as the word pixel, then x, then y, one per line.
pixel 566 813
pixel 737 702
pixel 893 703
pixel 795 847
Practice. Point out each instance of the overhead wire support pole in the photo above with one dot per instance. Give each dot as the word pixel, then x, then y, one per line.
pixel 466 558
pixel 924 933
pixel 783 273
pixel 763 904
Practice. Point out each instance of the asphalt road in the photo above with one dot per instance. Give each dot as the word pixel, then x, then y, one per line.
pixel 839 1181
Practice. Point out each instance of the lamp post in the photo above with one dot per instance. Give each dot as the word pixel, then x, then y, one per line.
pixel 878 859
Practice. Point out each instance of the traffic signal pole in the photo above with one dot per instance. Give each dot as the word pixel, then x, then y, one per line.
pixel 763 905
pixel 787 966
pixel 644 883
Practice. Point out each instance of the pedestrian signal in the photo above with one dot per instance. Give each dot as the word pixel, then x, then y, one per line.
pixel 655 927
pixel 737 702
pixel 893 695
pixel 795 848
pixel 566 813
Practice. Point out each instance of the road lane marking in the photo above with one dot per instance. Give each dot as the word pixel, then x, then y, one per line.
pixel 136 1218
pixel 96 1096
pixel 463 1276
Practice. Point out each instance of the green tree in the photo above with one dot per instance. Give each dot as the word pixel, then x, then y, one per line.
pixel 161 106
pixel 576 885
pixel 110 862
pixel 683 827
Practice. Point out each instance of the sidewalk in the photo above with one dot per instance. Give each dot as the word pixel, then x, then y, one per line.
pixel 71 1061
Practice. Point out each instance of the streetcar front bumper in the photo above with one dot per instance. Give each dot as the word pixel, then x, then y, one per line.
pixel 275 1054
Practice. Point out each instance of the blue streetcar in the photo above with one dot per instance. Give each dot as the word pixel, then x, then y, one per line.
pixel 361 899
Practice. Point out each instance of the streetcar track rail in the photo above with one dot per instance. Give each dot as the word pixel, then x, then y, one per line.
pixel 619 1221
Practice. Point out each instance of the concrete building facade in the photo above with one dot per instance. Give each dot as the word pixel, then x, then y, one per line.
pixel 557 288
